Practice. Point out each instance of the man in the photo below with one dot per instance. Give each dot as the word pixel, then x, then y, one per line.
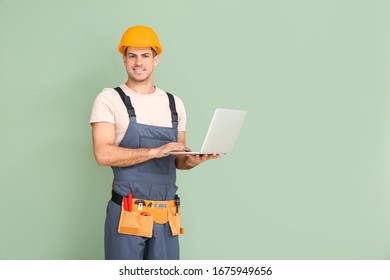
pixel 134 126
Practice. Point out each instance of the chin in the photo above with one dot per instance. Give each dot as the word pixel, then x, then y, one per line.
pixel 139 79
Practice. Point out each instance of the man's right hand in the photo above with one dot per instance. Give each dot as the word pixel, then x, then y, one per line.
pixel 170 147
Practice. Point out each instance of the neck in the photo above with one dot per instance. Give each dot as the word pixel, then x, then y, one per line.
pixel 141 87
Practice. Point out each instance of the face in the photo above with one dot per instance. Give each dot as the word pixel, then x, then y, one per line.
pixel 139 63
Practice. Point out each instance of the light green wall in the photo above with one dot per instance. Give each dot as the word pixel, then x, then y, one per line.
pixel 309 178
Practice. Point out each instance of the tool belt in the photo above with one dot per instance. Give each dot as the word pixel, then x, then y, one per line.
pixel 137 215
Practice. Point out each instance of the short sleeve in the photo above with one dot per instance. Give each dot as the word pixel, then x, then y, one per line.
pixel 181 114
pixel 103 109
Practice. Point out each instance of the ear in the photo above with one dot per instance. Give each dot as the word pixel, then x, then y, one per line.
pixel 156 59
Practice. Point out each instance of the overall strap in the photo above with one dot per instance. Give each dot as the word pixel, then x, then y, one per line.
pixel 172 106
pixel 130 109
pixel 127 101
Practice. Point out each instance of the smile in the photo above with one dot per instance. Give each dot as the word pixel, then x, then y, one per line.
pixel 139 70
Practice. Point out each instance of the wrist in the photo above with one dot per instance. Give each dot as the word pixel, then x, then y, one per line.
pixel 152 153
pixel 189 163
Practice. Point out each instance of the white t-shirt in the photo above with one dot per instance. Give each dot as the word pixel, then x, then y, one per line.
pixel 151 109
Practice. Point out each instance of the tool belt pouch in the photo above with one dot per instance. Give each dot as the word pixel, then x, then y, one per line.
pixel 174 222
pixel 135 224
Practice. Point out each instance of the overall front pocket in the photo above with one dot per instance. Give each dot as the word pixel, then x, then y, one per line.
pixel 161 166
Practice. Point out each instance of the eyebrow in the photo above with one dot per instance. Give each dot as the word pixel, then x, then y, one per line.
pixel 149 53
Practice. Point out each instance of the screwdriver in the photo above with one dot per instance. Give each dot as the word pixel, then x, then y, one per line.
pixel 177 203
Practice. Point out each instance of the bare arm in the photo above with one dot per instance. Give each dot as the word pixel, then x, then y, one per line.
pixel 107 154
pixel 190 161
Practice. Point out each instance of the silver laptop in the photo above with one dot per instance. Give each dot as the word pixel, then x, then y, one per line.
pixel 222 134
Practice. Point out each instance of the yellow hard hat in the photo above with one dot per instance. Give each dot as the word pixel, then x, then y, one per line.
pixel 140 36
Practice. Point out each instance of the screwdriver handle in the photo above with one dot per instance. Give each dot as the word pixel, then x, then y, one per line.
pixel 177 203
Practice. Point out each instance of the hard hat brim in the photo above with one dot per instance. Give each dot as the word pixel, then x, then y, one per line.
pixel 121 48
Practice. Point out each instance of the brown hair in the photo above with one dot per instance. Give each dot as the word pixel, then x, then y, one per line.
pixel 153 52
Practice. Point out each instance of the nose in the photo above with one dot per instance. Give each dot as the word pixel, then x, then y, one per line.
pixel 138 62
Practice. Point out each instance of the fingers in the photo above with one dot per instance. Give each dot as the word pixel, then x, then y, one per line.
pixel 175 147
pixel 213 156
pixel 171 147
pixel 198 159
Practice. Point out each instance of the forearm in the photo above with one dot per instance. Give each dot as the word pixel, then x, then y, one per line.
pixel 110 155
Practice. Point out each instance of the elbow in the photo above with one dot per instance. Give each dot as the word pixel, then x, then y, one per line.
pixel 101 160
pixel 102 155
pixel 102 163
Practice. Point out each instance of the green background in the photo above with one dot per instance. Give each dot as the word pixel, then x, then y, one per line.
pixel 309 178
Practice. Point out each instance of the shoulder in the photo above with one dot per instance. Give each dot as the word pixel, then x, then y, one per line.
pixel 179 105
pixel 178 100
pixel 181 111
pixel 109 98
pixel 107 101
pixel 108 94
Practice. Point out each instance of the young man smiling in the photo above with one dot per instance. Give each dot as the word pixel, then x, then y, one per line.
pixel 134 126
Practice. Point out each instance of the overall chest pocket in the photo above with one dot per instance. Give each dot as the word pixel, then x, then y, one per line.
pixel 159 165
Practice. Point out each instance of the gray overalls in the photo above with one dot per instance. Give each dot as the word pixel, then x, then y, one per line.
pixel 152 180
